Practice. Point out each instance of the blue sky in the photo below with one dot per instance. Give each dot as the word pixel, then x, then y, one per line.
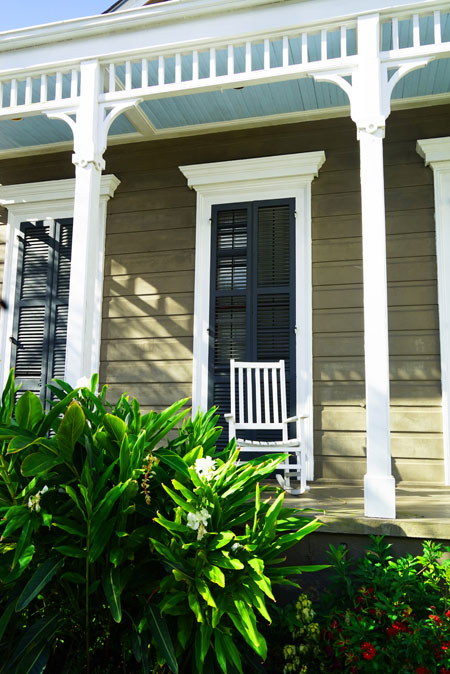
pixel 21 13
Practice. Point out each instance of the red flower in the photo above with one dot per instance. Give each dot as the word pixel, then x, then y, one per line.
pixel 368 650
pixel 397 627
pixel 435 618
pixel 447 614
pixel 422 670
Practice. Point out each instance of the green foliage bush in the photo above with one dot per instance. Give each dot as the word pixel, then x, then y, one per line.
pixel 381 615
pixel 125 550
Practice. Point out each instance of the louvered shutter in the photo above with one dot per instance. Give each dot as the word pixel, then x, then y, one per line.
pixel 40 312
pixel 252 309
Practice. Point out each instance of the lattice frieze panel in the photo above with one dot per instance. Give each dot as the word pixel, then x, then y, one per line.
pixel 38 91
pixel 259 59
pixel 415 34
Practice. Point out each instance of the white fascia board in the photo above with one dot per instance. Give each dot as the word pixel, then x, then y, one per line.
pixel 128 30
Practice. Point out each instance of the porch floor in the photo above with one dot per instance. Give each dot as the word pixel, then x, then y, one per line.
pixel 423 511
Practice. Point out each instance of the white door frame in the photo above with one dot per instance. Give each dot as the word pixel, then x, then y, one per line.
pixel 50 200
pixel 282 177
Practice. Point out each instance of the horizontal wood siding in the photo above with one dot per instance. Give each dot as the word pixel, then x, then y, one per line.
pixel 149 279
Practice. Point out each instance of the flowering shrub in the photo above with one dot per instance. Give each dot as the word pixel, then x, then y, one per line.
pixel 123 550
pixel 392 615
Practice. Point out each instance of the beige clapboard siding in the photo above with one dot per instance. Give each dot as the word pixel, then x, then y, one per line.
pixel 143 221
pixel 158 283
pixel 129 350
pixel 149 278
pixel 148 305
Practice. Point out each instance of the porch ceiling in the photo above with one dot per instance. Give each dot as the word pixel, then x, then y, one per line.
pixel 250 64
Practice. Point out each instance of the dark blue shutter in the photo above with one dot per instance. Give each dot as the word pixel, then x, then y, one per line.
pixel 252 308
pixel 41 305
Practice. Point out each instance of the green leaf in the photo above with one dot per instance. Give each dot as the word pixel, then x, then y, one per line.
pixel 70 526
pixel 100 539
pixel 43 575
pixel 35 640
pixel 172 526
pixel 124 459
pixel 194 605
pixel 22 547
pixel 55 412
pixel 214 574
pixel 21 442
pixel 188 507
pixel 205 592
pixel 38 464
pixel 245 622
pixel 220 540
pixel 73 577
pixel 28 410
pixel 6 617
pixel 115 427
pixel 185 626
pixel 70 551
pixel 70 430
pixel 225 562
pixel 158 627
pixel 111 588
pixel 172 460
pixel 228 647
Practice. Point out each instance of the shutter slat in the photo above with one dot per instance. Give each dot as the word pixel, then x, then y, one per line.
pixel 273 246
pixel 35 262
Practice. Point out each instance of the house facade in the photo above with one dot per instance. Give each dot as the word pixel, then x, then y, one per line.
pixel 188 181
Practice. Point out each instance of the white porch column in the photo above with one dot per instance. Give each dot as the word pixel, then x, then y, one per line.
pixel 369 113
pixel 89 163
pixel 436 153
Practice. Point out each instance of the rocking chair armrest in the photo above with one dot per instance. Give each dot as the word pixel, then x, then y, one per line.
pixel 229 417
pixel 288 421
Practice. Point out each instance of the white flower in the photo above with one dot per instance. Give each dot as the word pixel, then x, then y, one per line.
pixel 34 501
pixel 205 467
pixel 83 382
pixel 198 521
pixel 236 546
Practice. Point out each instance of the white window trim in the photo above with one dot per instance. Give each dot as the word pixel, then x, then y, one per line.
pixel 48 201
pixel 282 177
pixel 436 153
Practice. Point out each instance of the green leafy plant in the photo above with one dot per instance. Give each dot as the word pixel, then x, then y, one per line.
pixel 73 525
pixel 121 544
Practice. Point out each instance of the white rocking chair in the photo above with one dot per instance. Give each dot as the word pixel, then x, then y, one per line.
pixel 261 405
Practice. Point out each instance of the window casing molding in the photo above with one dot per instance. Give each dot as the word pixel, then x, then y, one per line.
pixel 436 153
pixel 281 177
pixel 48 201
